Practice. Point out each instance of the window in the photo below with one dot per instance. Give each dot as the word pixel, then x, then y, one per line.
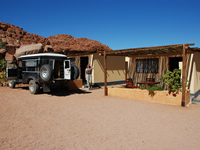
pixel 66 64
pixel 29 65
pixel 147 65
pixel 11 64
pixel 45 61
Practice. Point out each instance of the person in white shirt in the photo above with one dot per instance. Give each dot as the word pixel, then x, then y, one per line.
pixel 88 75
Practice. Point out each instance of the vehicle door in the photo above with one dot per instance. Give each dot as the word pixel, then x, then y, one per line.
pixel 11 70
pixel 67 70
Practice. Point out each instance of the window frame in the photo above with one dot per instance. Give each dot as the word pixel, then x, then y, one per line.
pixel 33 68
pixel 146 65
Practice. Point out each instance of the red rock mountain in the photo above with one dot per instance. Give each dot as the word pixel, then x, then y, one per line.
pixel 13 35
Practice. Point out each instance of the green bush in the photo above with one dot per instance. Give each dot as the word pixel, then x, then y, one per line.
pixel 3 77
pixel 142 87
pixel 151 89
pixel 172 80
pixel 154 88
pixel 2 64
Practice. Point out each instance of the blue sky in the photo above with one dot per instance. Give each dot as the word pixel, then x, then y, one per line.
pixel 120 24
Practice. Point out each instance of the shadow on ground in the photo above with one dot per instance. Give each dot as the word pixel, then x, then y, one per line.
pixel 60 91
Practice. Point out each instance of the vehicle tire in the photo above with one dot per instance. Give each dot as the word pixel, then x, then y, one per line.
pixel 12 84
pixel 33 87
pixel 45 72
pixel 74 72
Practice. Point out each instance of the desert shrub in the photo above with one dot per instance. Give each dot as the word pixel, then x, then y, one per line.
pixel 154 88
pixel 142 87
pixel 2 64
pixel 172 80
pixel 3 77
pixel 159 88
pixel 151 89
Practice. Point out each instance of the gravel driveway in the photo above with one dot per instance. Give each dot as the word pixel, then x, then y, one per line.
pixel 89 120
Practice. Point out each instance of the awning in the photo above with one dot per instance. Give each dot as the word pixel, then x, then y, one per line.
pixel 160 50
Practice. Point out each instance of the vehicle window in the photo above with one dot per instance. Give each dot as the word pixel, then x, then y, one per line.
pixel 11 64
pixel 31 69
pixel 66 64
pixel 31 63
pixel 45 61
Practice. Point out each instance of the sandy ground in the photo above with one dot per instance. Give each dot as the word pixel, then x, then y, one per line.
pixel 89 120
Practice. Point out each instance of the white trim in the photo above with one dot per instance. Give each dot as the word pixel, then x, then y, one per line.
pixel 44 54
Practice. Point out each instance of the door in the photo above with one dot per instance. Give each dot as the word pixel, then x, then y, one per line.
pixel 83 65
pixel 11 70
pixel 174 63
pixel 67 70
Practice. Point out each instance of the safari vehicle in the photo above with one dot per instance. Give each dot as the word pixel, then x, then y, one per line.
pixel 46 70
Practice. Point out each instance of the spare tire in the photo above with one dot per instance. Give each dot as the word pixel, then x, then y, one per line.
pixel 74 72
pixel 45 72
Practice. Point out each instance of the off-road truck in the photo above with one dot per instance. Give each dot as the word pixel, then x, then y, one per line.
pixel 45 70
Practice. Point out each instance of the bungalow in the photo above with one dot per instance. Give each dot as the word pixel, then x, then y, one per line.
pixel 153 62
pixel 115 68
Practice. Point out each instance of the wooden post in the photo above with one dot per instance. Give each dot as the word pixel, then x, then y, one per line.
pixel 126 70
pixel 105 75
pixel 183 76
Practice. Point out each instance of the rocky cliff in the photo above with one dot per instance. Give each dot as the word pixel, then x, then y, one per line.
pixel 12 37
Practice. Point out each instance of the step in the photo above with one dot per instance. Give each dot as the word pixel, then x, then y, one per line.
pixel 196 101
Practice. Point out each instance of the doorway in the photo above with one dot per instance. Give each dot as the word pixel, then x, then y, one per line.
pixel 83 65
pixel 174 63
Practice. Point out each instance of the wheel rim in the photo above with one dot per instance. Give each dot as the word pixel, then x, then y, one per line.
pixel 31 87
pixel 10 83
pixel 44 73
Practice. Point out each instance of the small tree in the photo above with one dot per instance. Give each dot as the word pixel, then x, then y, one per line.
pixel 172 80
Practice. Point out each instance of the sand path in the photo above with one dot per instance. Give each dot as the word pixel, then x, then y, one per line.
pixel 89 120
